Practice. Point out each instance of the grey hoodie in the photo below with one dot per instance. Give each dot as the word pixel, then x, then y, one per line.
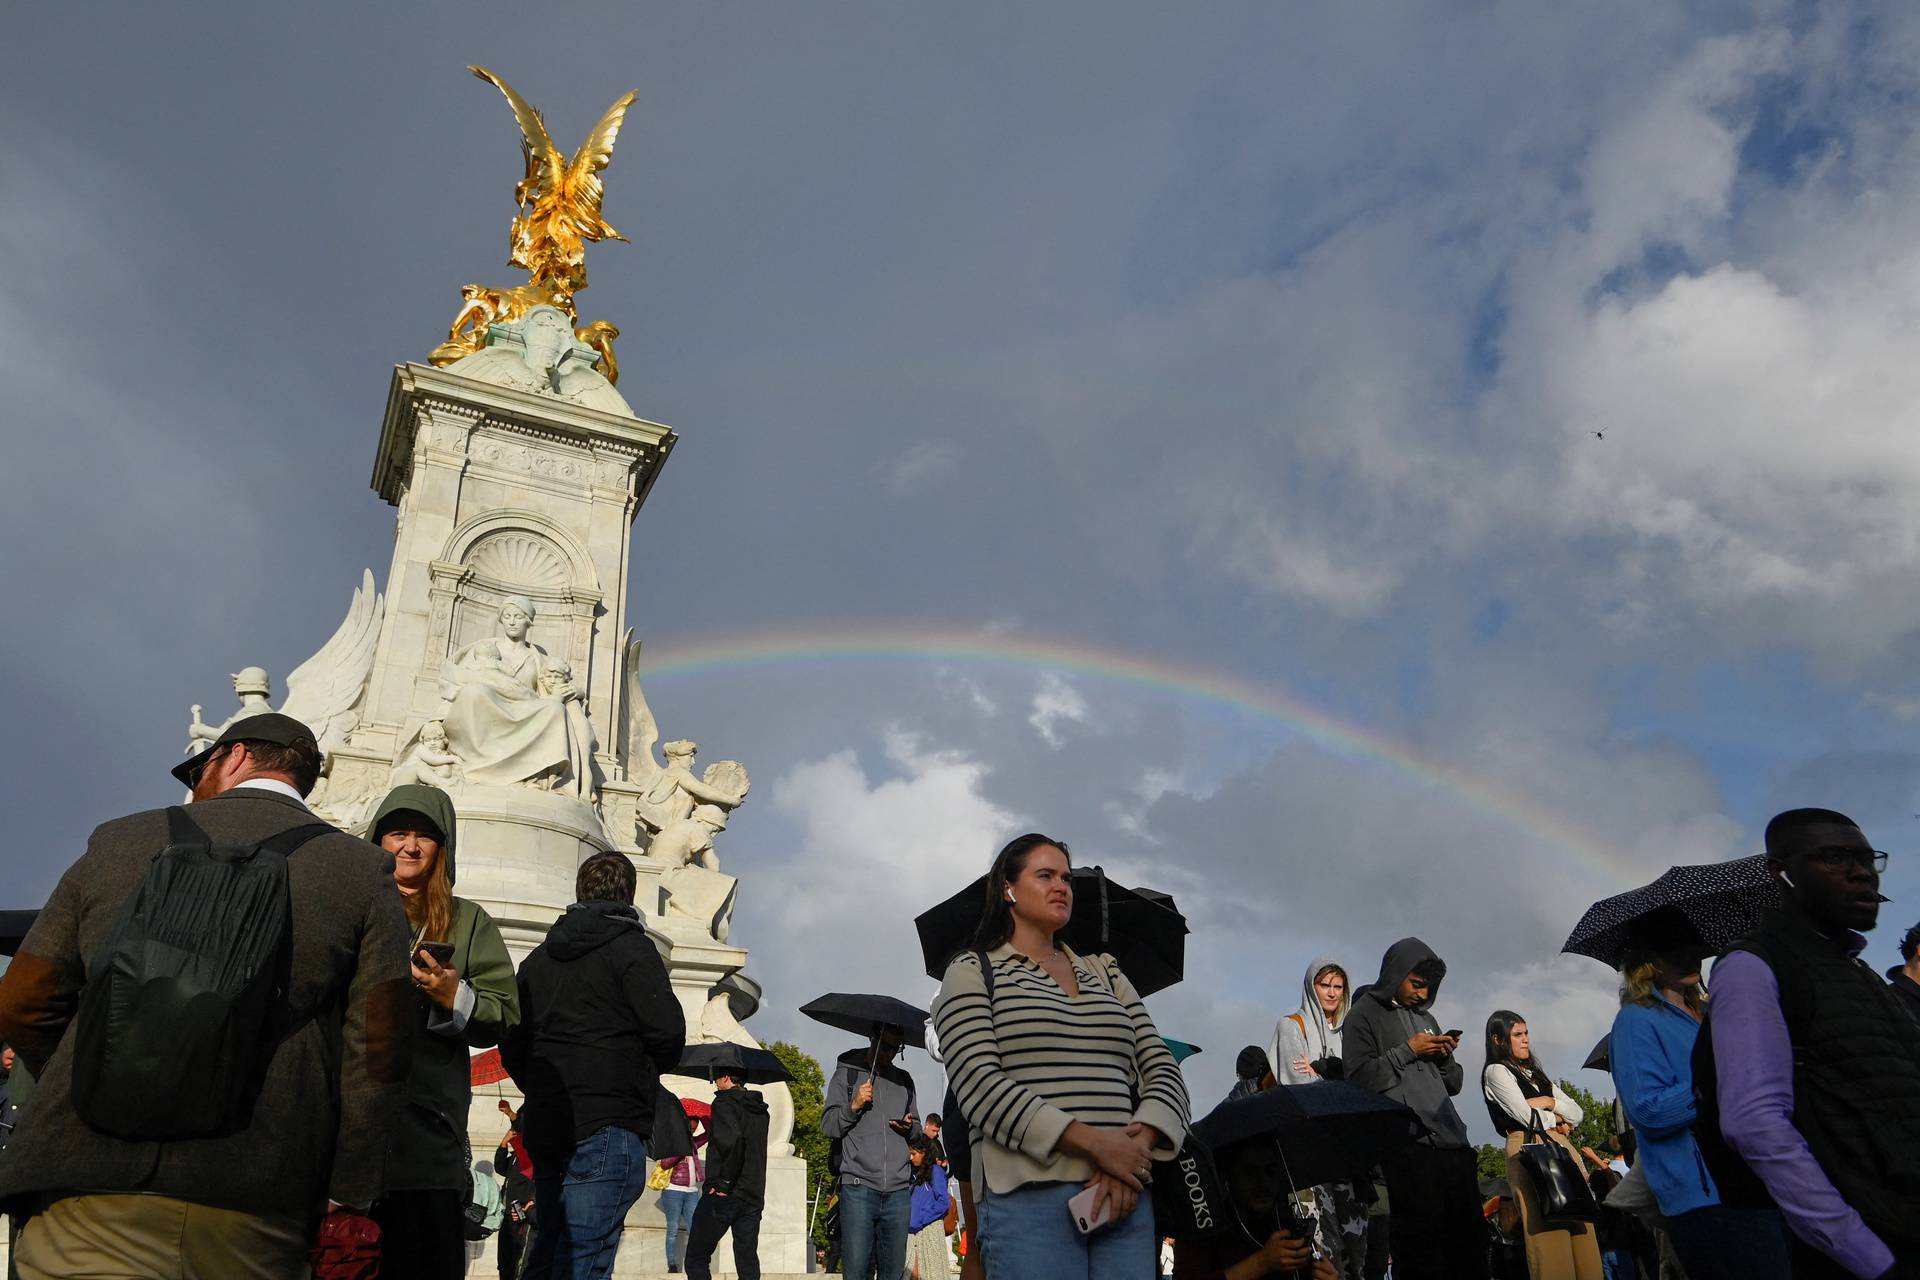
pixel 1313 1036
pixel 1376 1053
pixel 871 1153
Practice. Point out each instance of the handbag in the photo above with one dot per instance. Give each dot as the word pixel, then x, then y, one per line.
pixel 660 1179
pixel 1559 1188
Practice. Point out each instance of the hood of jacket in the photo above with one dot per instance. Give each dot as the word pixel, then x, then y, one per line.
pixel 588 926
pixel 1322 1036
pixel 1402 958
pixel 747 1100
pixel 431 802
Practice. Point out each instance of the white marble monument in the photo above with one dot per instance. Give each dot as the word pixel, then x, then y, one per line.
pixel 499 663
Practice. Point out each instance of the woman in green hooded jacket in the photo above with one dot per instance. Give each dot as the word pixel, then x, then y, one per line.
pixel 468 1001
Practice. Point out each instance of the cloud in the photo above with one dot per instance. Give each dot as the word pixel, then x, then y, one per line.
pixel 1056 703
pixel 865 849
pixel 919 466
pixel 1295 406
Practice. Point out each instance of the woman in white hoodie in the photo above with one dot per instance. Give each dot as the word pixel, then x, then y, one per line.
pixel 1306 1048
pixel 1306 1043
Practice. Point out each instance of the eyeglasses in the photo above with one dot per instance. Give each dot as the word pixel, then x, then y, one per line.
pixel 1834 857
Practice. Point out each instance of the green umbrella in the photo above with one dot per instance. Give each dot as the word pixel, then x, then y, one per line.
pixel 1180 1049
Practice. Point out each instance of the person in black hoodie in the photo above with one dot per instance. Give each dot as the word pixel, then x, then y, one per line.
pixel 1394 1046
pixel 736 1186
pixel 598 1024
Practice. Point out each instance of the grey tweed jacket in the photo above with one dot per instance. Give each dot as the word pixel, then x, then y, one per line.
pixel 320 1127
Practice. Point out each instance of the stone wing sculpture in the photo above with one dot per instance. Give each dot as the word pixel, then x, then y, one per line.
pixel 323 691
pixel 643 731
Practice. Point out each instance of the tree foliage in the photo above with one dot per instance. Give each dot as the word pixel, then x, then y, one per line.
pixel 1491 1160
pixel 1596 1122
pixel 809 1090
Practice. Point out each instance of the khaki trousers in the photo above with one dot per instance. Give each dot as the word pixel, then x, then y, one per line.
pixel 134 1237
pixel 1552 1253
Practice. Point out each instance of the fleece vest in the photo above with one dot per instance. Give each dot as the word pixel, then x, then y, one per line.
pixel 1856 1080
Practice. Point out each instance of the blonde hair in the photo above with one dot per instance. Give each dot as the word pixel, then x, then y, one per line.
pixel 1639 984
pixel 1346 992
pixel 430 911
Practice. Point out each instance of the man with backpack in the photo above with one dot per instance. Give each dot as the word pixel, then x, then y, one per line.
pixel 210 1001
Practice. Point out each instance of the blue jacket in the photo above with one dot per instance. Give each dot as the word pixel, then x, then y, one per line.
pixel 929 1201
pixel 1652 1058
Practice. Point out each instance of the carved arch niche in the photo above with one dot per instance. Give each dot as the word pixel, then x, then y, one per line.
pixel 515 553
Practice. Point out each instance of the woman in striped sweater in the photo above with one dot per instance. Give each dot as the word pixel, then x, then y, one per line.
pixel 1064 1081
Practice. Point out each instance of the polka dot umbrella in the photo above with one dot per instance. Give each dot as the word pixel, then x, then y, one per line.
pixel 1714 904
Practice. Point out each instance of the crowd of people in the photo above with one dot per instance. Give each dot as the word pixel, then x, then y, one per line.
pixel 238 1044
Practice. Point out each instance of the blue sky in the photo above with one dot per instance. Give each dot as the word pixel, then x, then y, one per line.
pixel 1268 339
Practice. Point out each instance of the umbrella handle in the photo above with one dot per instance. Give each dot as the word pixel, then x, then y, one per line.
pixel 1105 936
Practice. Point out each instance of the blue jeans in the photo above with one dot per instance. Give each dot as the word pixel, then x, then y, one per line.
pixel 576 1218
pixel 1618 1264
pixel 873 1231
pixel 678 1204
pixel 1028 1235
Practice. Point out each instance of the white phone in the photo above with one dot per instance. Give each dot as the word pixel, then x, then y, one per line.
pixel 1082 1211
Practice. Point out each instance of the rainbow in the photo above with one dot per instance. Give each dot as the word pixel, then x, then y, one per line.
pixel 798 645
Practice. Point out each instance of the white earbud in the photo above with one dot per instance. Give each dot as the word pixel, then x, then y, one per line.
pixel 1787 880
pixel 1009 895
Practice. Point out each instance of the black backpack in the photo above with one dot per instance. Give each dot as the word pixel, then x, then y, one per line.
pixel 183 1002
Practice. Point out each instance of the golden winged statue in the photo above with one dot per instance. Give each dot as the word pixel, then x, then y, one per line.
pixel 559 216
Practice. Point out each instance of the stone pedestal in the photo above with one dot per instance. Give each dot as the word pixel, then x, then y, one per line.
pixel 503 492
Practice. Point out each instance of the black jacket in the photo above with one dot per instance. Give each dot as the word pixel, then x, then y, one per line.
pixel 737 1150
pixel 598 1024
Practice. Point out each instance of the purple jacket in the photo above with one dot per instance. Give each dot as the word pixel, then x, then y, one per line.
pixel 1753 1058
pixel 689 1172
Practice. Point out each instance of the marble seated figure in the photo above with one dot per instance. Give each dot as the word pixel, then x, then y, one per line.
pixel 513 715
pixel 539 353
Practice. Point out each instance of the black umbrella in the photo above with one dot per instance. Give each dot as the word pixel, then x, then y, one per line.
pixel 866 1014
pixel 1140 928
pixel 1327 1130
pixel 13 930
pixel 1714 904
pixel 1601 1059
pixel 758 1065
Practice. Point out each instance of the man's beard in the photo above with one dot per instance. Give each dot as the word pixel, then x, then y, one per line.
pixel 205 784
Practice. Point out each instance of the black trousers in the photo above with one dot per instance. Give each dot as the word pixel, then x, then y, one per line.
pixel 422 1234
pixel 715 1216
pixel 1434 1220
pixel 511 1242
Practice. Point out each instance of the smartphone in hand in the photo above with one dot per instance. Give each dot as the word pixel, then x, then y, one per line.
pixel 442 952
pixel 1081 1209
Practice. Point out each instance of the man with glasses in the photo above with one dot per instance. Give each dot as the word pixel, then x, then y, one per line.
pixel 1816 1065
